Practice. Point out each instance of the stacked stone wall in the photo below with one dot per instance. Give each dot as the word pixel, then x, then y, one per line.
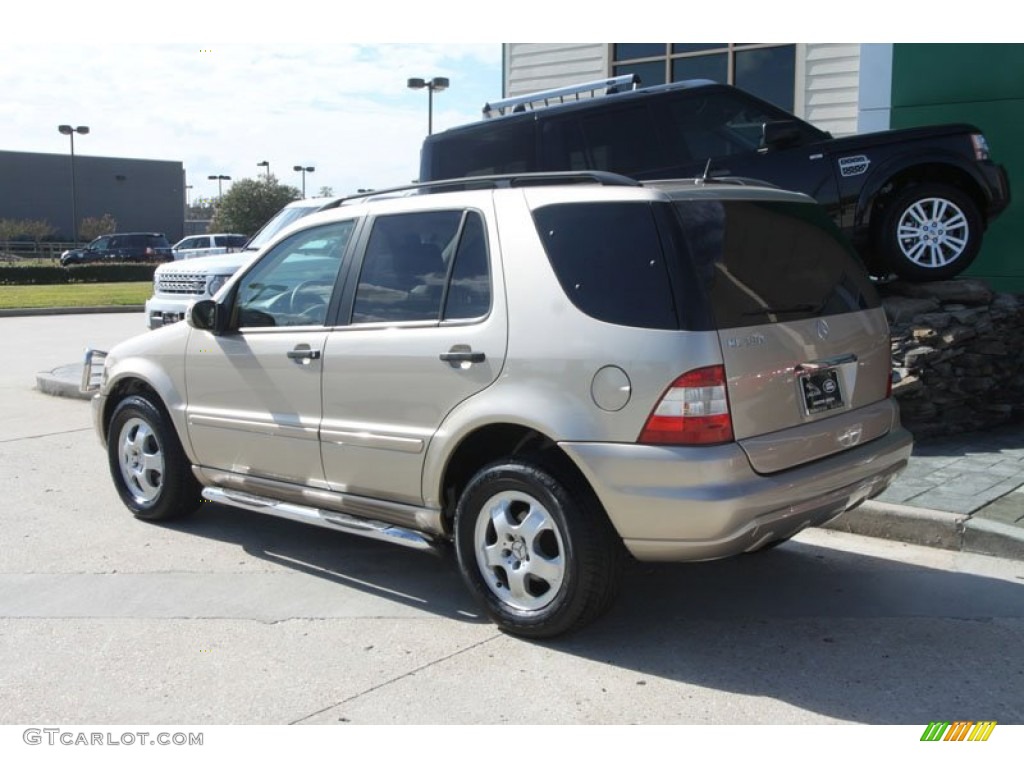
pixel 958 350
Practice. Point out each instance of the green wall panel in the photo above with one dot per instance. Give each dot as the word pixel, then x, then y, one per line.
pixel 981 84
pixel 940 73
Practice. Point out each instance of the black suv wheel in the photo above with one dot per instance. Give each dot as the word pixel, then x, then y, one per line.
pixel 930 232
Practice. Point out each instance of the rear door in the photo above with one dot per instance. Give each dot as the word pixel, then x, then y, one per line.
pixel 804 340
pixel 426 329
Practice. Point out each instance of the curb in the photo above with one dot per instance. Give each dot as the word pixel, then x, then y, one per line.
pixel 932 528
pixel 39 311
pixel 62 382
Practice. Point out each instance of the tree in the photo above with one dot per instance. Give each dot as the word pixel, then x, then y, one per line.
pixel 37 230
pixel 325 192
pixel 91 228
pixel 250 203
pixel 9 229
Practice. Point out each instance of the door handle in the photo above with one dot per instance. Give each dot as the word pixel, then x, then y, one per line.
pixel 463 356
pixel 303 354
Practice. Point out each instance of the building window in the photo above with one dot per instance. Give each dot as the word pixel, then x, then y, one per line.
pixel 765 70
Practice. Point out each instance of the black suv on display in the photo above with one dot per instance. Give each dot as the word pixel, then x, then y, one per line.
pixel 122 246
pixel 915 202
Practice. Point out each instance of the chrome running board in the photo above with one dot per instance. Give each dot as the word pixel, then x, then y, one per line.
pixel 337 521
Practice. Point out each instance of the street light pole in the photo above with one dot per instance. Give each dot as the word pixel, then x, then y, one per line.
pixel 219 179
pixel 264 164
pixel 434 84
pixel 305 169
pixel 67 130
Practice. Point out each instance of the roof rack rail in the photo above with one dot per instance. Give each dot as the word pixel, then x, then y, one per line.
pixel 559 95
pixel 494 181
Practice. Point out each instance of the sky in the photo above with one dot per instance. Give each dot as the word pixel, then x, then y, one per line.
pixel 221 88
pixel 221 108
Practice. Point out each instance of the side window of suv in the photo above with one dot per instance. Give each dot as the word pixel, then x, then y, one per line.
pixel 293 284
pixel 469 289
pixel 623 140
pixel 718 124
pixel 404 272
pixel 609 261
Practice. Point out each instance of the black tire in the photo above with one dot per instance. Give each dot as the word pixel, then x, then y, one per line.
pixel 152 475
pixel 930 231
pixel 554 575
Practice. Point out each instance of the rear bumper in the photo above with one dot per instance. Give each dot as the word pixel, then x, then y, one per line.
pixel 683 504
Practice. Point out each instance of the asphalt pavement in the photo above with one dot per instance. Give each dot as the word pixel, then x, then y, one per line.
pixel 963 493
pixel 236 617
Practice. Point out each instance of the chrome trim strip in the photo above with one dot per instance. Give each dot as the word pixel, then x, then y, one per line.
pixel 371 529
pixel 372 440
pixel 251 425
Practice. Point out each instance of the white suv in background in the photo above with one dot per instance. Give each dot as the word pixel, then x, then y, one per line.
pixel 208 245
pixel 187 279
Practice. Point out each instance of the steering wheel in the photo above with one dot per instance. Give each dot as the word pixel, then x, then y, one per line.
pixel 310 302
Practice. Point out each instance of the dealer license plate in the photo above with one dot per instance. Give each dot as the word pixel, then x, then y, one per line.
pixel 820 391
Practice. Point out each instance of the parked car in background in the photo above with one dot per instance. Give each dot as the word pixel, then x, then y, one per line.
pixel 178 284
pixel 915 202
pixel 208 245
pixel 544 372
pixel 121 246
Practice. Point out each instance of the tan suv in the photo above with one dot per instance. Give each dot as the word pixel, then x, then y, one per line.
pixel 548 371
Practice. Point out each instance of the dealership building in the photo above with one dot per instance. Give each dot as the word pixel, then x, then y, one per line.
pixel 141 195
pixel 841 88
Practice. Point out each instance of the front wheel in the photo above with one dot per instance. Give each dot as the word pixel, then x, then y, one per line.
pixel 930 232
pixel 152 475
pixel 536 549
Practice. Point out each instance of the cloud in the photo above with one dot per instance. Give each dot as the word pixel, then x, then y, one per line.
pixel 223 107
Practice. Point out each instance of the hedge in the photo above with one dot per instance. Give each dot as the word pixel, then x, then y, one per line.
pixel 89 273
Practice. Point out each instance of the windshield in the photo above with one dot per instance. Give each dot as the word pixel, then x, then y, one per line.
pixel 283 218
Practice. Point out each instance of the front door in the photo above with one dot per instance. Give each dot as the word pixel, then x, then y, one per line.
pixel 254 392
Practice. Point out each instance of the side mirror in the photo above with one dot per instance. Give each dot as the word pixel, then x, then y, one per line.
pixel 780 134
pixel 206 315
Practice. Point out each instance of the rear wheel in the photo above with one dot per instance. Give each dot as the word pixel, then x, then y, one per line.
pixel 930 232
pixel 536 549
pixel 147 463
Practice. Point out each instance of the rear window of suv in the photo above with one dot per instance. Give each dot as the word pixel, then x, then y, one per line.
pixel 771 262
pixel 699 264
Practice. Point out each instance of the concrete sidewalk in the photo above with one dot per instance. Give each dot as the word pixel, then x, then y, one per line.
pixel 963 493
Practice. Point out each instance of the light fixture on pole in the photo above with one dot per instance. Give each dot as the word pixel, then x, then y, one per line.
pixel 264 164
pixel 219 179
pixel 433 84
pixel 305 169
pixel 67 130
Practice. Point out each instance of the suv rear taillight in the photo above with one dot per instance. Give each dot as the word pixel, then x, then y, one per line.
pixel 694 411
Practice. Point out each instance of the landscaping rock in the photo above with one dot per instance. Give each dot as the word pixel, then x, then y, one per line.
pixel 959 350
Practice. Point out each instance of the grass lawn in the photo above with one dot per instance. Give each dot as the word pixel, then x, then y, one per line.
pixel 75 295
